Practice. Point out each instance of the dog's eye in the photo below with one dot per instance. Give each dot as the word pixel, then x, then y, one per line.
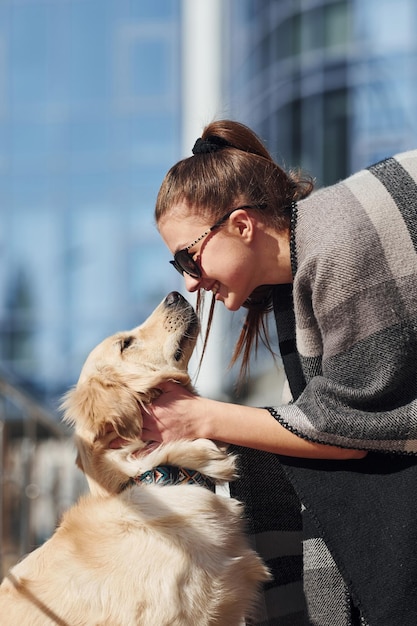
pixel 125 343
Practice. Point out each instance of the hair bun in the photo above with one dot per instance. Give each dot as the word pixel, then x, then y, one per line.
pixel 210 144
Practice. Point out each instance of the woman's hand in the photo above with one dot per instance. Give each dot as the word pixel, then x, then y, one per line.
pixel 171 416
pixel 180 414
pixel 176 414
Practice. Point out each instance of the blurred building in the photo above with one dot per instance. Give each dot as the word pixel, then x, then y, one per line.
pixel 89 123
pixel 330 84
pixel 98 98
pixel 90 95
pixel 91 105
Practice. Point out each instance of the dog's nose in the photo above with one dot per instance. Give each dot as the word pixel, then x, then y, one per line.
pixel 173 298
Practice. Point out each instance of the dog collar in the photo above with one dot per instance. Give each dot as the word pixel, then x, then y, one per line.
pixel 172 475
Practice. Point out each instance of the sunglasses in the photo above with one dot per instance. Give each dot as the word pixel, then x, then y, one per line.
pixel 183 261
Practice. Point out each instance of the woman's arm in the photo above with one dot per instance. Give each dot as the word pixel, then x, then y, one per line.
pixel 179 414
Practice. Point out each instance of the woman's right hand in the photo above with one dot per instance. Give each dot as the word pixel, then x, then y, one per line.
pixel 176 414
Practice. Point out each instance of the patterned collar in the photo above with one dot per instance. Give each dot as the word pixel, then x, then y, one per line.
pixel 172 475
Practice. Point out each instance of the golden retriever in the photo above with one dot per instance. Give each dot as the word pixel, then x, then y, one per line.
pixel 135 552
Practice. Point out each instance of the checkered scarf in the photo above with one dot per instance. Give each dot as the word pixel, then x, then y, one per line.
pixel 347 329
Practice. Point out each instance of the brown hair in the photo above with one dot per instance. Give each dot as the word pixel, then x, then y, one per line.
pixel 239 168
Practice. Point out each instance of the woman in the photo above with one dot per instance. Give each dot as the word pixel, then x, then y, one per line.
pixel 338 267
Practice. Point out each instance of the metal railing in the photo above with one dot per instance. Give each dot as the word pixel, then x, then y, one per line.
pixel 38 477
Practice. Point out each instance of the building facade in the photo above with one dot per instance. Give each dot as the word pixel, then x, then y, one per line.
pixel 330 84
pixel 89 123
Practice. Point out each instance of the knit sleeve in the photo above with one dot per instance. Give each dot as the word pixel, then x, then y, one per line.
pixel 355 307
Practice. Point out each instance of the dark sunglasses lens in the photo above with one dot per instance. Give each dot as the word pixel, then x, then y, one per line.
pixel 184 262
pixel 177 267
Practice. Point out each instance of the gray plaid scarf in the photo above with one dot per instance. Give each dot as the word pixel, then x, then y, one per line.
pixel 347 329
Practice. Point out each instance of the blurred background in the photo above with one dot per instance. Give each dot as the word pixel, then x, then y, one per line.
pixel 98 98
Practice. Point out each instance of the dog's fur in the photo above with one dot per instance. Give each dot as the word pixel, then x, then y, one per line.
pixel 141 555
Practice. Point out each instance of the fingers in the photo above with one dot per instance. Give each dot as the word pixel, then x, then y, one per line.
pixel 168 385
pixel 111 439
pixel 150 430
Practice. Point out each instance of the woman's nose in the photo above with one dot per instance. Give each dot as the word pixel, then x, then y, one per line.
pixel 191 284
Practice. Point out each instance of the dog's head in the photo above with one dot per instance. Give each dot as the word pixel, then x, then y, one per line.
pixel 122 374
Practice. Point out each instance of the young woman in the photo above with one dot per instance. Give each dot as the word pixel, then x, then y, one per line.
pixel 338 269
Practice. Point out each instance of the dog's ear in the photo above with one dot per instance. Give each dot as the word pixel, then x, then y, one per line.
pixel 104 399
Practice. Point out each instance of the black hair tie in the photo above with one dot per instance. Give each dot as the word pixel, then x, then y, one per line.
pixel 211 144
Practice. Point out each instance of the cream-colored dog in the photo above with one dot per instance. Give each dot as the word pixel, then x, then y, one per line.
pixel 136 551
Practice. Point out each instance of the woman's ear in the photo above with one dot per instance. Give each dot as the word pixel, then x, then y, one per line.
pixel 242 223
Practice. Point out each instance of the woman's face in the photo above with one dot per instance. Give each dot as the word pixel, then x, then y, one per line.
pixel 228 257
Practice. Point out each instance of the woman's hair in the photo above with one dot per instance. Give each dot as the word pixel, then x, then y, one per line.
pixel 231 164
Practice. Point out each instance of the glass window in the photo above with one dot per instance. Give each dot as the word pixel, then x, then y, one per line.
pixel 29 190
pixel 38 53
pixel 312 30
pixel 150 281
pixel 150 79
pixel 4 71
pixel 336 24
pixel 264 52
pixel 149 9
pixel 312 135
pixel 380 34
pixel 90 47
pixel 90 135
pixel 253 7
pixel 29 53
pixel 281 40
pixel 335 127
pixel 31 142
pixel 145 66
pixel 296 40
pixel 288 134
